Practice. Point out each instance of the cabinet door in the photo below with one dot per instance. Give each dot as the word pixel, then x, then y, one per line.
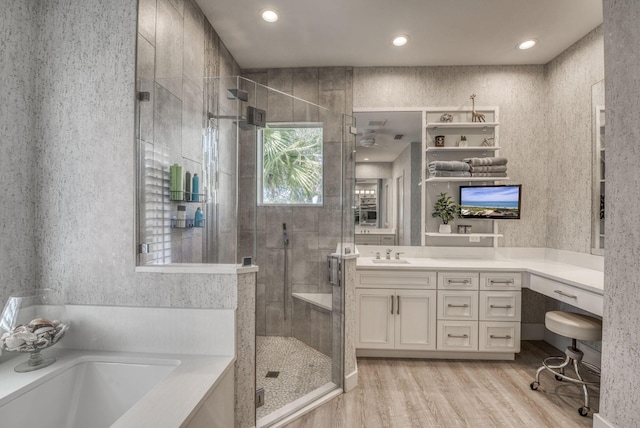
pixel 457 305
pixel 507 281
pixel 415 322
pixel 458 335
pixel 500 305
pixel 374 324
pixel 499 336
pixel 458 280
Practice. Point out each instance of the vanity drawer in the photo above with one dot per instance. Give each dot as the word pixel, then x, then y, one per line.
pixel 500 305
pixel 458 335
pixel 457 305
pixel 583 299
pixel 387 240
pixel 500 281
pixel 394 278
pixel 499 336
pixel 458 280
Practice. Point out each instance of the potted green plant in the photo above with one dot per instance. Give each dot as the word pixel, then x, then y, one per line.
pixel 445 208
pixel 463 141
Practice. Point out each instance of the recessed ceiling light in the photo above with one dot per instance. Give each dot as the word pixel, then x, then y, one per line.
pixel 366 158
pixel 269 15
pixel 527 44
pixel 400 40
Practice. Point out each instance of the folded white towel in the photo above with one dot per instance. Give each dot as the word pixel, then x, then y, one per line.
pixel 489 168
pixel 443 173
pixel 485 161
pixel 448 166
pixel 488 174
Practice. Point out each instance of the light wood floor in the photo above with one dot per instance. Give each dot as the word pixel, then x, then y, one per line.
pixel 443 393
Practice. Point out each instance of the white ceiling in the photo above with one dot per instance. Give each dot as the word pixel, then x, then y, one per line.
pixel 359 32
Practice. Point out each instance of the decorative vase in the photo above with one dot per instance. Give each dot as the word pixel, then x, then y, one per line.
pixel 445 228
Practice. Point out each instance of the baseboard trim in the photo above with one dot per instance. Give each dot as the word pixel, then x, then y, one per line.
pixel 600 422
pixel 530 331
pixel 436 355
pixel 351 380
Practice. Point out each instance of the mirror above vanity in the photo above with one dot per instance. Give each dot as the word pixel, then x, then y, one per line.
pixel 388 163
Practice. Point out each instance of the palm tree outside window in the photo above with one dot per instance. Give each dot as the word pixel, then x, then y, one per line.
pixel 291 157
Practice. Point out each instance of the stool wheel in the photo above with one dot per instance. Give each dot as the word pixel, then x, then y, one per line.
pixel 558 378
pixel 584 411
pixel 535 385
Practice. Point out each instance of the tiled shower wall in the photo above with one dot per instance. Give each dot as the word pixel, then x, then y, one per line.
pixel 314 232
pixel 177 48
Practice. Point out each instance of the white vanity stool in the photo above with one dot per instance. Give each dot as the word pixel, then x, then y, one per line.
pixel 576 327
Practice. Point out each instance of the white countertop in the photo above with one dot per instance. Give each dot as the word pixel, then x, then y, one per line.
pixel 588 279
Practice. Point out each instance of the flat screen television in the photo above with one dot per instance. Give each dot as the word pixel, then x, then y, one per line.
pixel 501 202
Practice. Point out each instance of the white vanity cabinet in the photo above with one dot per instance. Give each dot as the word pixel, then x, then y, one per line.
pixel 396 310
pixel 446 314
pixel 458 311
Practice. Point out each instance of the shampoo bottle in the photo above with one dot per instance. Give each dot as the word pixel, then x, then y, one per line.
pixel 195 188
pixel 182 216
pixel 198 217
pixel 187 186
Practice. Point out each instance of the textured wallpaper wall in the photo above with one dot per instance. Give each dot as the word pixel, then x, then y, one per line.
pixel 519 91
pixel 620 389
pixel 570 77
pixel 17 147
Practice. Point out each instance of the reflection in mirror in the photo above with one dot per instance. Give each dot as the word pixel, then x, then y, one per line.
pixel 388 161
pixel 598 190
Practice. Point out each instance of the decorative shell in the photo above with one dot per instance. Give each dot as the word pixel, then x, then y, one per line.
pixel 446 117
pixel 40 333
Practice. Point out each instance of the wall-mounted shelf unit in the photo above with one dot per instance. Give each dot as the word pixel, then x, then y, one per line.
pixel 464 179
pixel 465 235
pixel 462 125
pixel 482 140
pixel 464 149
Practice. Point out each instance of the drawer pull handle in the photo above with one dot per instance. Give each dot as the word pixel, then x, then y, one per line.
pixel 458 336
pixel 457 306
pixel 499 337
pixel 560 292
pixel 458 281
pixel 500 306
pixel 495 281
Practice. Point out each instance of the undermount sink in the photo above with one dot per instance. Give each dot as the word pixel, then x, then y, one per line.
pixel 391 262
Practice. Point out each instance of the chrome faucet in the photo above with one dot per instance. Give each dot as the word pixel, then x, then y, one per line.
pixel 398 255
pixel 388 253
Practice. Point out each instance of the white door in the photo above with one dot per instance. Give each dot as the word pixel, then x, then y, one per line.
pixel 375 318
pixel 415 323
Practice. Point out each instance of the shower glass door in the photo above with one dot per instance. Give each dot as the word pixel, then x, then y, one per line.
pixel 291 167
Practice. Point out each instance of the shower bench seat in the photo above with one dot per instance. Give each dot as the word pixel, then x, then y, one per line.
pixel 312 320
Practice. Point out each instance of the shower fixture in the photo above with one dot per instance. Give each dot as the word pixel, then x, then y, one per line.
pixel 237 94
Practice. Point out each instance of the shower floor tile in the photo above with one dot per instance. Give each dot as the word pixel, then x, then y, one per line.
pixel 302 370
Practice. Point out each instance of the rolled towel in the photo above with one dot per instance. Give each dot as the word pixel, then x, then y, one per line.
pixel 488 174
pixel 448 166
pixel 485 161
pixel 489 168
pixel 443 173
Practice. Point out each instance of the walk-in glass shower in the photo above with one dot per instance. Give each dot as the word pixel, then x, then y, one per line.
pixel 275 183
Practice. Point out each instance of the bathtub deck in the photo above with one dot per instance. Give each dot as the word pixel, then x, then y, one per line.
pixel 169 404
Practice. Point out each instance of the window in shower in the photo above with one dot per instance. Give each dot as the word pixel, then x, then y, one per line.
pixel 291 156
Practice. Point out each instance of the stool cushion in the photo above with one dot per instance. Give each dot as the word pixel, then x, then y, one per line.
pixel 575 326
